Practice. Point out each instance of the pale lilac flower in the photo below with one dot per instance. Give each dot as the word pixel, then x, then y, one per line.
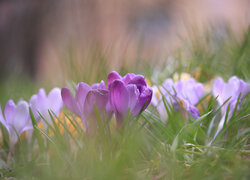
pixel 157 101
pixel 184 92
pixel 232 89
pixel 189 94
pixel 128 94
pixel 41 103
pixel 16 120
pixel 190 90
pixel 83 104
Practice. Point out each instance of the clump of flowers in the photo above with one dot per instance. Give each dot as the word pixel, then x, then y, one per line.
pixel 128 94
pixel 124 97
pixel 183 92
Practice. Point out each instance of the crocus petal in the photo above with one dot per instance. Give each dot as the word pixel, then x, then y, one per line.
pixel 156 96
pixel 119 97
pixel 167 87
pixel 34 105
pixel 69 101
pixel 144 101
pixel 133 96
pixel 81 92
pixel 222 121
pixel 55 100
pixel 41 99
pixel 42 105
pixel 21 116
pixel 230 89
pixel 2 120
pixel 98 98
pixel 100 85
pixel 218 88
pixel 109 109
pixel 113 76
pixel 162 111
pixel 193 111
pixel 128 77
pixel 158 102
pixel 192 91
pixel 244 88
pixel 9 111
pixel 199 90
pixel 13 138
pixel 33 101
pixel 139 81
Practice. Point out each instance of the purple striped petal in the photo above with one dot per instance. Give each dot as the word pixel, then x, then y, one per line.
pixel 70 101
pixel 82 90
pixel 21 116
pixel 133 96
pixel 9 111
pixel 244 88
pixel 100 85
pixel 139 81
pixel 98 98
pixel 119 98
pixel 113 76
pixel 128 77
pixel 144 101
pixel 55 100
pixel 2 119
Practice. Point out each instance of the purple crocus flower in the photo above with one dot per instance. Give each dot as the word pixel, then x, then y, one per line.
pixel 232 89
pixel 188 93
pixel 41 103
pixel 16 120
pixel 128 93
pixel 83 104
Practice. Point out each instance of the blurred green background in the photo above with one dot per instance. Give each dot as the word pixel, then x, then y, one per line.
pixel 51 43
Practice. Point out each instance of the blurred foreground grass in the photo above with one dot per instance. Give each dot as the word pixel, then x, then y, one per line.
pixel 146 148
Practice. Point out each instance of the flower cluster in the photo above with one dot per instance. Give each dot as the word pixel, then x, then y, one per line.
pixel 187 93
pixel 16 118
pixel 123 95
pixel 128 94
